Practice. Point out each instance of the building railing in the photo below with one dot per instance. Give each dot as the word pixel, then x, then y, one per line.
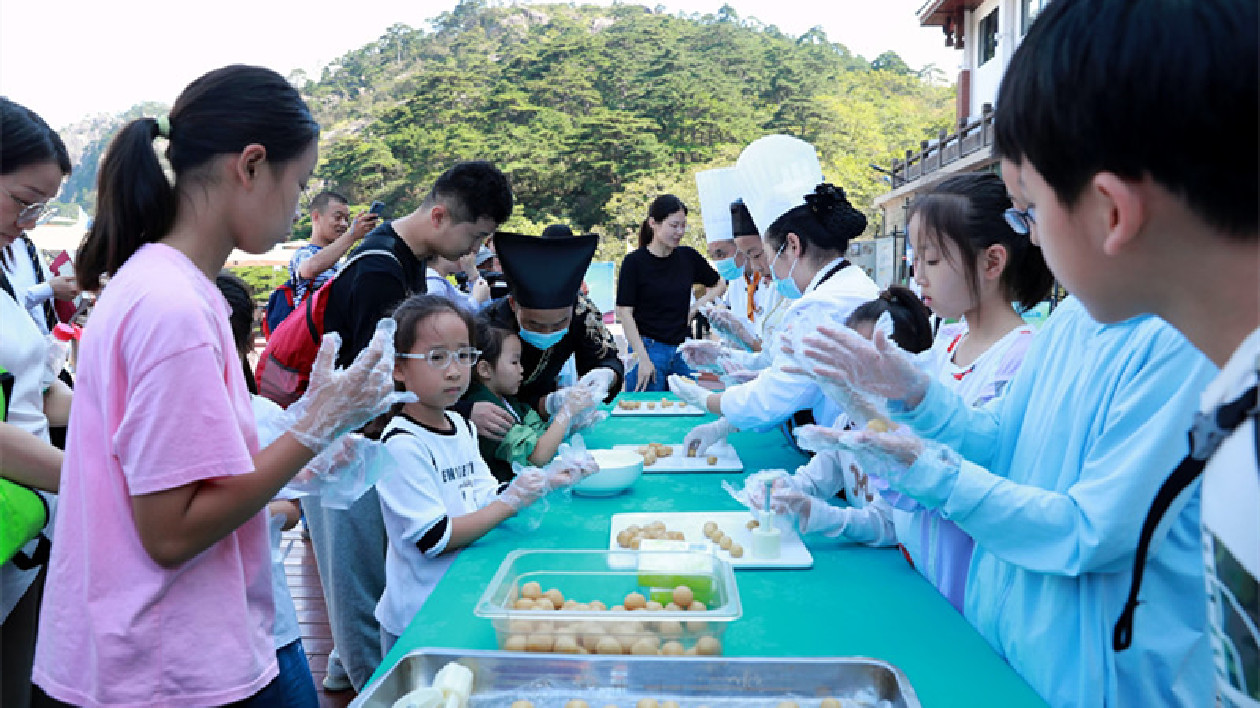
pixel 972 137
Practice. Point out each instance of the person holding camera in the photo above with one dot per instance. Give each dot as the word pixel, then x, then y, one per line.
pixel 332 235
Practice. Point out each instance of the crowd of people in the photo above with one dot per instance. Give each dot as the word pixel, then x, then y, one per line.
pixel 1086 494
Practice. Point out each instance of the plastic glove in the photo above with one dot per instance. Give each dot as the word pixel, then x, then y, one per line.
pixel 703 354
pixel 753 493
pixel 812 515
pixel 732 327
pixel 921 469
pixel 528 486
pixel 572 465
pixel 343 472
pixel 704 436
pixel 876 366
pixel 599 381
pixel 340 400
pixel 690 391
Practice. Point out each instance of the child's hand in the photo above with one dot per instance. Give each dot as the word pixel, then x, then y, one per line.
pixel 526 488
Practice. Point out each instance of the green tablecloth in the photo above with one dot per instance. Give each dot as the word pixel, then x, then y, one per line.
pixel 855 601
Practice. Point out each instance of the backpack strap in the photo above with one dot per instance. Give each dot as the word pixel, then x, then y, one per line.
pixel 1207 434
pixel 308 301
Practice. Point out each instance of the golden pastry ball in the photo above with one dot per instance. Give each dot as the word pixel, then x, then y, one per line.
pixel 597 605
pixel 608 645
pixel 672 648
pixel 829 703
pixel 516 642
pixel 709 528
pixel 566 644
pixel 522 704
pixel 544 603
pixel 577 703
pixel 653 606
pixel 752 524
pixel 708 646
pixel 556 597
pixel 524 604
pixel 669 704
pixel 647 703
pixel 736 551
pixel 726 542
pixel 643 647
pixel 697 606
pixel 539 642
pixel 877 425
pixel 531 590
pixel 635 601
pixel 712 460
pixel 683 596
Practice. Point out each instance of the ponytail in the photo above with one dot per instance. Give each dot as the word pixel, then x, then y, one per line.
pixel 912 324
pixel 135 204
pixel 826 221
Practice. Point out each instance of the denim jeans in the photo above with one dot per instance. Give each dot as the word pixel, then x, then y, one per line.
pixel 666 359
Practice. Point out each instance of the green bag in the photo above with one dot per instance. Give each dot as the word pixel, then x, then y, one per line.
pixel 24 511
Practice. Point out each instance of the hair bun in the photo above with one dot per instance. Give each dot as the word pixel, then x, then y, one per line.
pixel 826 199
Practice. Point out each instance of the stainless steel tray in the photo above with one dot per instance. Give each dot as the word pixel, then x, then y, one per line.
pixel 551 680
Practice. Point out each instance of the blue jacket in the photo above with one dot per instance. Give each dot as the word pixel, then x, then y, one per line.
pixel 1057 478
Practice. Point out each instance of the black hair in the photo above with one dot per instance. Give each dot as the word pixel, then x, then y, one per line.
pixel 912 324
pixel 557 231
pixel 417 309
pixel 968 211
pixel 220 113
pixel 240 300
pixel 1165 88
pixel 472 190
pixel 25 139
pixel 826 221
pixel 658 211
pixel 490 338
pixel 326 197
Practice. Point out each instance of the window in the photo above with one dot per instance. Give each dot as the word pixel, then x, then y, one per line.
pixel 1031 9
pixel 989 36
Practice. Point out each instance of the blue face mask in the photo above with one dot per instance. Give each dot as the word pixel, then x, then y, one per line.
pixel 542 341
pixel 786 286
pixel 728 269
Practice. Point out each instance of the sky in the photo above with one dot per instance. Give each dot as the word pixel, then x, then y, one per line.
pixel 92 56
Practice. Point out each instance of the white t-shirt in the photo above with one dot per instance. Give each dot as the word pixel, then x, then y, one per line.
pixel 272 423
pixel 23 353
pixel 438 475
pixel 1231 536
pixel 31 288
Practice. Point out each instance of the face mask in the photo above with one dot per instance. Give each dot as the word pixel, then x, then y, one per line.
pixel 786 286
pixel 727 269
pixel 542 341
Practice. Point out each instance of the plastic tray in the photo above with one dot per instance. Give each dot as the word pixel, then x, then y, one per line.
pixel 550 681
pixel 727 460
pixel 608 576
pixel 792 551
pixel 663 406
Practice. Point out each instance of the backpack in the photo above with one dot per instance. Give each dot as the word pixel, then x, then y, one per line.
pixel 284 369
pixel 25 511
pixel 279 306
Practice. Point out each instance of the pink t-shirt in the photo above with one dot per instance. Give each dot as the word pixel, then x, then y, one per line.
pixel 160 402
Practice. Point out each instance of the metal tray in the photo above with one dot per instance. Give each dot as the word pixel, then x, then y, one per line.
pixel 550 680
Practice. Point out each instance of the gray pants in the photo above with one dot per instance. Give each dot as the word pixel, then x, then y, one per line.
pixel 350 553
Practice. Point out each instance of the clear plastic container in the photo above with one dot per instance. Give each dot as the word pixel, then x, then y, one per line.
pixel 609 577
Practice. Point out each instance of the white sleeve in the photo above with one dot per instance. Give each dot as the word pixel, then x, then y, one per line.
pixel 410 498
pixel 871 524
pixel 37 294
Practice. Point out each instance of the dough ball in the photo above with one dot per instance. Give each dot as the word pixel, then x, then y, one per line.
pixel 709 528
pixel 635 542
pixel 672 648
pixel 711 459
pixel 829 703
pixel 524 604
pixel 658 525
pixel 676 536
pixel 566 644
pixel 877 425
pixel 788 704
pixel 691 452
pixel 577 703
pixel 608 645
pixel 726 543
pixel 633 528
pixel 651 405
pixel 597 605
pixel 539 642
pixel 635 601
pixel 647 703
pixel 618 608
pixel 673 607
pixel 752 524
pixel 522 704
pixel 580 606
pixel 649 458
pixel 569 605
pixel 644 646
pixel 665 451
pixel 670 628
pixel 669 704
pixel 697 626
pixel 683 596
pixel 556 597
pixel 518 626
pixel 531 590
pixel 708 646
pixel 653 606
pixel 697 606
pixel 736 550
pixel 515 642
pixel 544 603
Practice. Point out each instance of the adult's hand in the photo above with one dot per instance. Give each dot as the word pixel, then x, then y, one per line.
pixel 363 223
pixel 492 421
pixel 878 366
pixel 64 287
pixel 690 391
pixel 646 375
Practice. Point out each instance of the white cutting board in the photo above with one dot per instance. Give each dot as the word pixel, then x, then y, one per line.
pixel 792 551
pixel 676 407
pixel 727 460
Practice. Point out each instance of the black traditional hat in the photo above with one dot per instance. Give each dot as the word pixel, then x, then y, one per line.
pixel 544 274
pixel 741 221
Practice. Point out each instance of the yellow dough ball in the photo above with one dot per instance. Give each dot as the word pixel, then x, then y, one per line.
pixel 676 535
pixel 577 703
pixel 670 628
pixel 556 597
pixel 788 704
pixel 524 604
pixel 697 606
pixel 597 605
pixel 618 608
pixel 665 451
pixel 570 605
pixel 522 704
pixel 647 703
pixel 566 644
pixel 669 704
pixel 644 646
pixel 683 596
pixel 653 606
pixel 752 524
pixel 608 645
pixel 516 642
pixel 709 528
pixel 635 601
pixel 829 703
pixel 712 460
pixel 877 425
pixel 736 550
pixel 708 646
pixel 531 590
pixel 651 405
pixel 544 603
pixel 539 642
pixel 672 648
pixel 673 607
pixel 726 543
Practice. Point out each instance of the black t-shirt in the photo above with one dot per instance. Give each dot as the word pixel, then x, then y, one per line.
pixel 369 289
pixel 659 290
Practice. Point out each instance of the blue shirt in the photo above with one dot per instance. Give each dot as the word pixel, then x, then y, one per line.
pixel 1058 475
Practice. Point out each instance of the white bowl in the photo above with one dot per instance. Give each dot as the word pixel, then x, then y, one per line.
pixel 618 470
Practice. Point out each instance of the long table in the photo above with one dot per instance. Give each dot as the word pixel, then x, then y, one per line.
pixel 855 601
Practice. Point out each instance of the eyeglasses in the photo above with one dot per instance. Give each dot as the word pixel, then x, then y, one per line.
pixel 442 358
pixel 31 211
pixel 1021 220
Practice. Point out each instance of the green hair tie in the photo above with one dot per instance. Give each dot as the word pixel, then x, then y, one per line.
pixel 164 126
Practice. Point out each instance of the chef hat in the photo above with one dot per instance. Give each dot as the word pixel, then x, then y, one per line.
pixel 544 273
pixel 741 222
pixel 718 189
pixel 775 174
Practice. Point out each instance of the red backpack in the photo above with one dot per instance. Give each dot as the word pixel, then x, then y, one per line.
pixel 284 369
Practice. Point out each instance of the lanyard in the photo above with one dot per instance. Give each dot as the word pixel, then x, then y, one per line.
pixel 751 292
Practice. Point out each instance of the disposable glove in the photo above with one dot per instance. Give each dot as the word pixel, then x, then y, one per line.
pixel 575 406
pixel 527 487
pixel 812 515
pixel 875 366
pixel 342 473
pixel 924 470
pixel 704 436
pixel 752 495
pixel 732 327
pixel 599 382
pixel 567 473
pixel 703 354
pixel 340 400
pixel 690 391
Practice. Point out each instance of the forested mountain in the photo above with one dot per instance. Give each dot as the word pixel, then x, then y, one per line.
pixel 86 141
pixel 593 111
